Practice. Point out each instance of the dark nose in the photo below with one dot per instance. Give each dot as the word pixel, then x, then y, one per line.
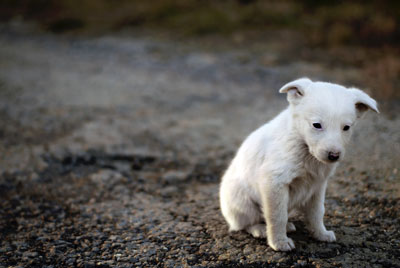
pixel 332 156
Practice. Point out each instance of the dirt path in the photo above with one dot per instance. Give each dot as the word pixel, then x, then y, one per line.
pixel 112 148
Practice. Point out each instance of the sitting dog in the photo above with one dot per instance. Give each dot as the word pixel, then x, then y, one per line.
pixel 284 166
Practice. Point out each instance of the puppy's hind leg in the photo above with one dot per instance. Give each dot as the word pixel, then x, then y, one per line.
pixel 290 227
pixel 246 217
pixel 258 230
pixel 238 208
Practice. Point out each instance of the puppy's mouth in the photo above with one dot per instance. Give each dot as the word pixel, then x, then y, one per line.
pixel 316 157
pixel 324 160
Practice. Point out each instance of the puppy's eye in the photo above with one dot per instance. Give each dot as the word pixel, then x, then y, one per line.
pixel 317 125
pixel 346 127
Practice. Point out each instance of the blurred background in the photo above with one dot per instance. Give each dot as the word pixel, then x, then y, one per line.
pixel 370 28
pixel 371 23
pixel 117 119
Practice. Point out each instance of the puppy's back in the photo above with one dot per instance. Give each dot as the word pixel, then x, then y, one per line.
pixel 256 148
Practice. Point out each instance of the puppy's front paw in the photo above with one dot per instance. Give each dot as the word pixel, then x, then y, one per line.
pixel 282 245
pixel 326 236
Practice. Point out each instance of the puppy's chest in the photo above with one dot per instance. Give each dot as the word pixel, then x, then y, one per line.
pixel 304 186
pixel 301 189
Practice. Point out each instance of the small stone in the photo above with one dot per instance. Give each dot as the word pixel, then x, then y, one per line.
pixel 87 253
pixel 301 262
pixel 70 261
pixel 223 257
pixel 29 254
pixel 89 264
pixel 169 191
pixel 113 237
pixel 174 176
pixel 247 250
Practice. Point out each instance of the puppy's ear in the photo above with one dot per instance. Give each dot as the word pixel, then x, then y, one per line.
pixel 363 102
pixel 296 89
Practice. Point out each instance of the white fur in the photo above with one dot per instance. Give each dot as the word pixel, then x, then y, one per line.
pixel 284 165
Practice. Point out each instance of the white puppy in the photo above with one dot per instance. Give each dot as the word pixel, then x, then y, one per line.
pixel 284 165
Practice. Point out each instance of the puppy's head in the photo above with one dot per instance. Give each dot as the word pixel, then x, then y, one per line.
pixel 324 115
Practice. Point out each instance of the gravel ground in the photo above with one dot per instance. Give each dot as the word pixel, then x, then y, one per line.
pixel 112 148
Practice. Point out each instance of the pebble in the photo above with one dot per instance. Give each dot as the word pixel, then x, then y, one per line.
pixel 175 176
pixel 30 254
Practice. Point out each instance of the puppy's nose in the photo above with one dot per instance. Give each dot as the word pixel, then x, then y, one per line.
pixel 333 156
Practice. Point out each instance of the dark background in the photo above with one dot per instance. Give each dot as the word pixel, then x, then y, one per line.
pixel 366 23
